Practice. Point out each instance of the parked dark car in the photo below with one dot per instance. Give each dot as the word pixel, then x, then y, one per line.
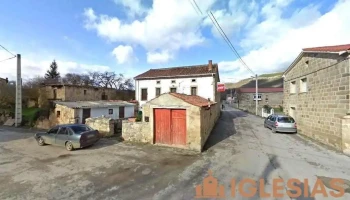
pixel 281 123
pixel 71 136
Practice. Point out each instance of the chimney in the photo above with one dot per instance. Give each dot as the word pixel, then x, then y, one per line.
pixel 7 80
pixel 210 65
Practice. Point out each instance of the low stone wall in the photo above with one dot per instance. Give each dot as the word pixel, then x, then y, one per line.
pixel 103 124
pixel 136 131
pixel 346 135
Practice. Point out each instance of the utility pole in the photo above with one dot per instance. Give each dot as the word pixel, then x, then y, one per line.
pixel 256 94
pixel 18 112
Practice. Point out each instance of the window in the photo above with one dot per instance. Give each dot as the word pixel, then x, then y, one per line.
pixel 53 130
pixel 58 114
pixel 84 92
pixel 173 81
pixel 54 94
pixel 143 94
pixel 62 131
pixel 158 82
pixel 292 87
pixel 157 92
pixel 104 96
pixel 173 90
pixel 303 85
pixel 259 97
pixel 80 128
pixel 285 120
pixel 110 111
pixel 193 80
pixel 121 112
pixel 193 90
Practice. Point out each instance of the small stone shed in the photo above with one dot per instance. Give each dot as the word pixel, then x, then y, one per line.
pixel 176 120
pixel 79 111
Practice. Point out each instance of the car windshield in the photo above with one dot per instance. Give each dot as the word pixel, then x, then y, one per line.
pixel 285 120
pixel 80 129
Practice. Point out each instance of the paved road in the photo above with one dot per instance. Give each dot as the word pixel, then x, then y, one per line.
pixel 238 148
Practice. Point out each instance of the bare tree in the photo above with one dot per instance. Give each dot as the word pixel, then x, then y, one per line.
pixel 77 79
pixel 110 80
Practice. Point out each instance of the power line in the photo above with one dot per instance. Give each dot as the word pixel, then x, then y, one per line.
pixel 8 58
pixel 230 44
pixel 7 50
pixel 194 7
pixel 195 3
pixel 223 34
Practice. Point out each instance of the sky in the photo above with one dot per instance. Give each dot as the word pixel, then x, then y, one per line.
pixel 133 36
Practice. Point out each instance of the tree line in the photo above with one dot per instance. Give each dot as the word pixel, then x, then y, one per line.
pixel 97 79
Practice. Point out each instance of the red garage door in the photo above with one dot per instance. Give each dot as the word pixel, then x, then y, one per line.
pixel 170 126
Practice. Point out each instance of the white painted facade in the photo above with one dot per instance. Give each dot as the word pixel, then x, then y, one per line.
pixel 206 87
pixel 98 112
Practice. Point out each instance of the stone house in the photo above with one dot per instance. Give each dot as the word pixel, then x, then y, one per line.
pixel 270 92
pixel 198 80
pixel 316 94
pixel 3 83
pixel 63 92
pixel 246 98
pixel 176 120
pixel 67 112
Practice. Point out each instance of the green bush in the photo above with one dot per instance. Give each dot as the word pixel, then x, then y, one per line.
pixel 267 108
pixel 139 116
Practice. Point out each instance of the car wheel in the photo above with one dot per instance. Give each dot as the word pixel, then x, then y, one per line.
pixel 69 146
pixel 273 130
pixel 41 141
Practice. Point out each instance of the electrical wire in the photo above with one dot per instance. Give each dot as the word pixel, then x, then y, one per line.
pixel 224 36
pixel 8 59
pixel 7 50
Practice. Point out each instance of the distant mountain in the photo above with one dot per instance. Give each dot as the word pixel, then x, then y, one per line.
pixel 264 81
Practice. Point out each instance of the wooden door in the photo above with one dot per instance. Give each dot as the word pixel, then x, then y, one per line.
pixel 86 114
pixel 170 126
pixel 162 126
pixel 178 127
pixel 121 112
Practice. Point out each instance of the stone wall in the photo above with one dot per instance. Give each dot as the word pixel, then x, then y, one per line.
pixel 346 134
pixel 137 132
pixel 66 115
pixel 103 124
pixel 320 110
pixel 273 99
pixel 209 118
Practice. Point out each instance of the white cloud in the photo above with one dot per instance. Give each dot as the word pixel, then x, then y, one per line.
pixel 36 66
pixel 158 57
pixel 275 42
pixel 124 54
pixel 134 7
pixel 169 26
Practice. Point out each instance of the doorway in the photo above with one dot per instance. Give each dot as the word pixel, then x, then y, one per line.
pixel 86 114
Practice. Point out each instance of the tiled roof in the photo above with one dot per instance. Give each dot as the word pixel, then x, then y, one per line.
pixel 194 70
pixel 336 48
pixel 263 90
pixel 192 99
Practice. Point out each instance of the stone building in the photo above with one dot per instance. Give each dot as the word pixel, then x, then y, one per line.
pixel 64 92
pixel 316 94
pixel 176 120
pixel 270 92
pixel 3 83
pixel 246 97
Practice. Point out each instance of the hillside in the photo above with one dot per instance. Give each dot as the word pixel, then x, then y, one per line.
pixel 264 80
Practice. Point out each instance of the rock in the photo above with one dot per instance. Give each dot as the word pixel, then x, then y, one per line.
pixel 146 171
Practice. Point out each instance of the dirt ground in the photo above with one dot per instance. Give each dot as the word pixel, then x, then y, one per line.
pixel 239 147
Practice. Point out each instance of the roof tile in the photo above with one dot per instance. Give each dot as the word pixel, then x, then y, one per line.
pixel 178 71
pixel 193 99
pixel 336 48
